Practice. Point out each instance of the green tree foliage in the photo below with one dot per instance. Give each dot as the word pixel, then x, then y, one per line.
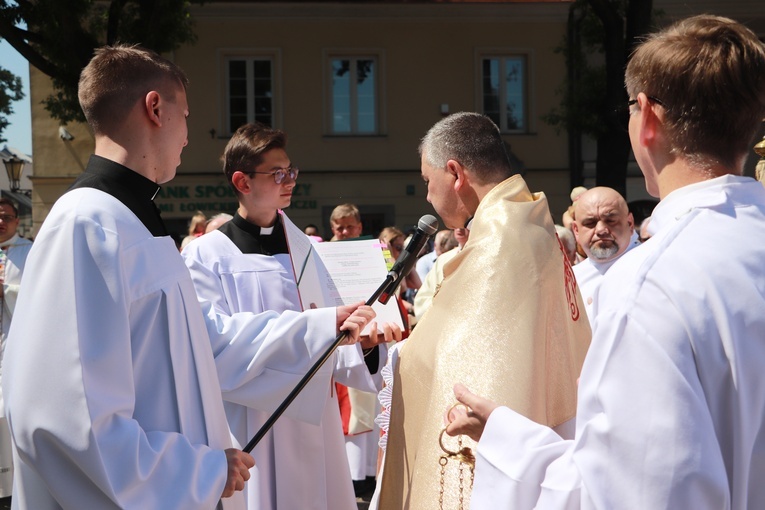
pixel 58 36
pixel 10 91
pixel 601 36
pixel 583 91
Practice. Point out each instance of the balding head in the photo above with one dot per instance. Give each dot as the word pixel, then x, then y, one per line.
pixel 217 221
pixel 444 242
pixel 603 224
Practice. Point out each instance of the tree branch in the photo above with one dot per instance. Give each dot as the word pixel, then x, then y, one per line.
pixel 18 38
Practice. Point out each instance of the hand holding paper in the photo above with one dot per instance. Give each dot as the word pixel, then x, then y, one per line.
pixel 340 273
pixel 352 319
pixel 381 333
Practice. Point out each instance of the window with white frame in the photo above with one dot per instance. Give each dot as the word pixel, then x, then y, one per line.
pixel 504 91
pixel 354 98
pixel 250 84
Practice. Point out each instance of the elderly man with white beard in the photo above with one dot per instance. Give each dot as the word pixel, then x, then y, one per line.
pixel 604 228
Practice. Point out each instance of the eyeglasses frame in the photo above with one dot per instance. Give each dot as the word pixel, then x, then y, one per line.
pixel 650 98
pixel 625 110
pixel 292 171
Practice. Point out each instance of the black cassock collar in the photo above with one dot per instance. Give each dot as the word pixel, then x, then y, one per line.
pixel 129 187
pixel 249 238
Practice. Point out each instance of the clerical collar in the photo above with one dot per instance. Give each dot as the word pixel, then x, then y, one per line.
pixel 129 187
pixel 10 242
pixel 251 238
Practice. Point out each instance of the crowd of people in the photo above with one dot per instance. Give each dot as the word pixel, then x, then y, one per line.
pixel 597 363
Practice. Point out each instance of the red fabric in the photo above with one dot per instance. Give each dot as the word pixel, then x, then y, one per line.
pixel 404 318
pixel 342 391
pixel 345 406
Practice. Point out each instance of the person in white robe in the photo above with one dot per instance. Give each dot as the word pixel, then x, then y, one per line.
pixel 13 255
pixel 671 397
pixel 245 266
pixel 109 381
pixel 111 388
pixel 605 229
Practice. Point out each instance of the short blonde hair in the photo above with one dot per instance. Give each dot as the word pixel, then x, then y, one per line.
pixel 344 211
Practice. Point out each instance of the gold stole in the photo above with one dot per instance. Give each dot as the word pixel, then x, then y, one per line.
pixel 508 322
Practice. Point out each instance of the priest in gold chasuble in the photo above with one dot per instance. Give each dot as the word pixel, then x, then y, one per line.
pixel 507 320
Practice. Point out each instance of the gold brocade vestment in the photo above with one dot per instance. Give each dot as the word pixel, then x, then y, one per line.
pixel 508 322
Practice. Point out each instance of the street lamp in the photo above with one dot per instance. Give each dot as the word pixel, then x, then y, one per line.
pixel 14 166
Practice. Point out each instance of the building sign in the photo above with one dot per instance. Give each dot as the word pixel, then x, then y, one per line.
pixel 183 200
pixel 179 200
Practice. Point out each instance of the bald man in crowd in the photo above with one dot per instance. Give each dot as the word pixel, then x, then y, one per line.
pixel 604 228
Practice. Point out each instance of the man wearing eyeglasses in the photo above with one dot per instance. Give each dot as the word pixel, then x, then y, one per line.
pixel 245 266
pixel 671 401
pixel 13 255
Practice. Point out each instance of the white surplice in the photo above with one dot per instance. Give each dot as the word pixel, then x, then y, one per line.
pixel 301 462
pixel 109 380
pixel 589 275
pixel 15 255
pixel 671 400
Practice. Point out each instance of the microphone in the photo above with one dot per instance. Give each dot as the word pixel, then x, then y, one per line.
pixel 426 227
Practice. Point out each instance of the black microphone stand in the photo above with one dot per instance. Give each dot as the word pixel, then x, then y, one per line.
pixel 389 280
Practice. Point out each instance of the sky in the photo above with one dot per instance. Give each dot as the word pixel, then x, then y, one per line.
pixel 19 131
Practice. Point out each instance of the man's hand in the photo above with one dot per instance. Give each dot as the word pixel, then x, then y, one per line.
pixel 353 318
pixel 239 464
pixel 470 421
pixel 390 332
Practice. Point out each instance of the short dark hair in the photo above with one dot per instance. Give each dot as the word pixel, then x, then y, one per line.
pixel 119 76
pixel 247 145
pixel 10 203
pixel 471 139
pixel 709 74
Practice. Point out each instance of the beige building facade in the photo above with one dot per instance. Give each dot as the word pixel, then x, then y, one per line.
pixel 355 85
